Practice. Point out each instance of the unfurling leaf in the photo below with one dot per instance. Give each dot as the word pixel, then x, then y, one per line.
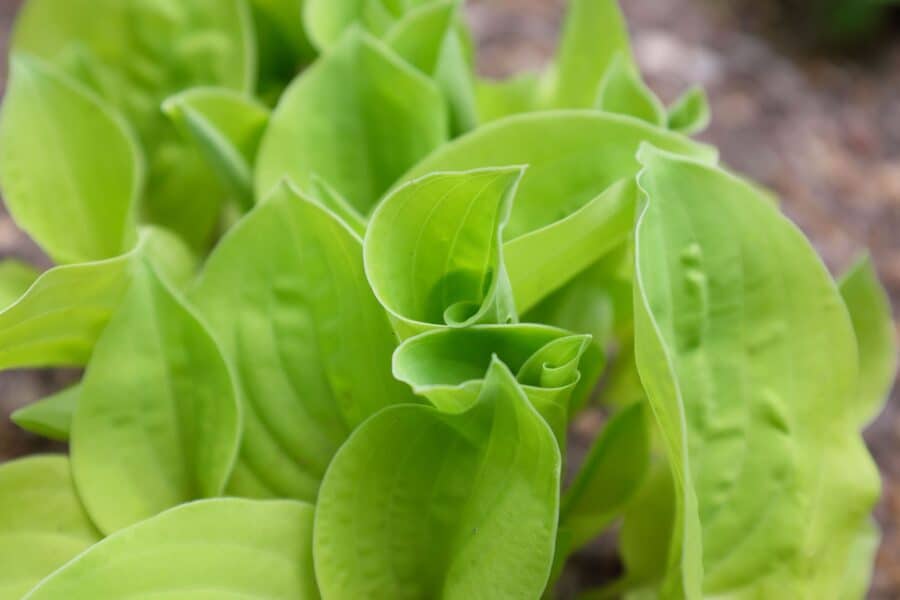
pixel 484 483
pixel 434 251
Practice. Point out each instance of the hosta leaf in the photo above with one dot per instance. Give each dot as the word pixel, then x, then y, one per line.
pixel 286 296
pixel 50 417
pixel 858 575
pixel 359 117
pixel 870 311
pixel 484 483
pixel 447 366
pixel 572 157
pixel 501 98
pixel 543 260
pixel 690 113
pixel 434 254
pixel 42 523
pixel 165 430
pixel 15 279
pixel 623 92
pixel 226 128
pixel 612 472
pixel 331 199
pixel 137 53
pixel 327 20
pixel 594 33
pixel 58 319
pixel 70 170
pixel 749 361
pixel 222 549
pixel 429 39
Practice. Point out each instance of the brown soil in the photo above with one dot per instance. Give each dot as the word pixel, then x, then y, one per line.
pixel 822 131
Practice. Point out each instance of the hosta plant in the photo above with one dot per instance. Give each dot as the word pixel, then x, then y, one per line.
pixel 338 300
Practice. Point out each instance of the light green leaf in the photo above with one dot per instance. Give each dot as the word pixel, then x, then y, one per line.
pixel 226 128
pixel 647 532
pixel 594 33
pixel 174 262
pixel 596 302
pixel 58 319
pixel 222 549
pixel 286 297
pixel 622 91
pixel 748 358
pixel 137 53
pixel 42 523
pixel 447 366
pixel 70 170
pixel 50 417
pixel 572 157
pixel 858 576
pixel 543 260
pixel 331 199
pixel 434 254
pixel 157 422
pixel 358 118
pixel 502 98
pixel 690 113
pixel 15 279
pixel 485 483
pixel 429 39
pixel 327 20
pixel 611 474
pixel 876 339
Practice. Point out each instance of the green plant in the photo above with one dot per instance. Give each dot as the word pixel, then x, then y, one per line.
pixel 333 349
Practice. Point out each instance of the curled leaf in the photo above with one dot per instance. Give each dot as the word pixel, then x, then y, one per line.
pixel 434 252
pixel 447 366
pixel 411 475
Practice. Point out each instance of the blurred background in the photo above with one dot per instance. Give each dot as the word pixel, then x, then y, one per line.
pixel 805 97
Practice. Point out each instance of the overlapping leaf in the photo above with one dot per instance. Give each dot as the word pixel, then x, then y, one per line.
pixel 748 358
pixel 135 54
pixel 572 157
pixel 447 366
pixel 42 522
pixel 70 170
pixel 226 127
pixel 359 117
pixel 212 549
pixel 50 417
pixel 434 253
pixel 157 421
pixel 286 297
pixel 417 499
